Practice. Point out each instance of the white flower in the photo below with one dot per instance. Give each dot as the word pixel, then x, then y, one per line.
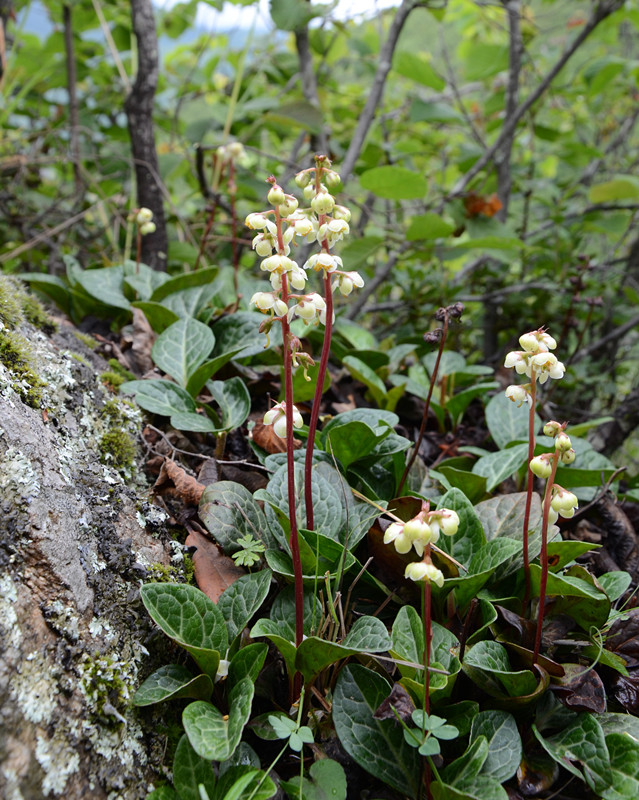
pixel 420 571
pixel 308 308
pixel 276 417
pixel 303 226
pixel 564 503
pixel 278 263
pixel 289 206
pixel 256 221
pixel 395 534
pixel 568 456
pixel 146 228
pixel 264 244
pixel 537 342
pixel 341 212
pixel 267 301
pixel 298 279
pixel 324 261
pixel 333 231
pixel 445 520
pixel 346 281
pixel 546 366
pixel 519 395
pixel 516 359
pixel 562 442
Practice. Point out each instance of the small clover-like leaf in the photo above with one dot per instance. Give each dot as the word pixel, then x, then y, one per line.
pixel 430 747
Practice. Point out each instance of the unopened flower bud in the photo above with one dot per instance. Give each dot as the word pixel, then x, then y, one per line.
pixel 309 192
pixel 323 203
pixel 148 227
pixel 541 467
pixel 276 195
pixel 562 442
pixel 552 428
pixel 332 179
pixel 144 215
pixel 255 221
pixel 341 212
pixel 567 456
pixel 289 205
pixel 302 179
pixel 303 226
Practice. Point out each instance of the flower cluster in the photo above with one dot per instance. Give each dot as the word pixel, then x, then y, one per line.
pixel 534 360
pixel 143 218
pixel 563 503
pixel 233 152
pixel 419 533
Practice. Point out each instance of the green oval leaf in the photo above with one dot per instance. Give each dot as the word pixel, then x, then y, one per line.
pixel 394 183
pixel 182 347
pixel 170 682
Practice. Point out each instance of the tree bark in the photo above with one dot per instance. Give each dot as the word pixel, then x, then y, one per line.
pixel 76 538
pixel 139 110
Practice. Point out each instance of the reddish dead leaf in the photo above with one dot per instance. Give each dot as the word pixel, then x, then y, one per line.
pixel 175 482
pixel 214 572
pixel 581 690
pixel 209 472
pixel 478 204
pixel 398 699
pixel 264 437
pixel 623 638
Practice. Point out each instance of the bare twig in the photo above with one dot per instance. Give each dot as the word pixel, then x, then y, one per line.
pixel 377 89
pixel 474 130
pixel 74 119
pixel 319 141
pixel 613 336
pixel 602 11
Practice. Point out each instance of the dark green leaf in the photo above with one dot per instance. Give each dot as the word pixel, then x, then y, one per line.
pixel 234 401
pixel 190 770
pixel 170 682
pixel 159 397
pixel 394 183
pixel 242 599
pixel 182 347
pixel 504 743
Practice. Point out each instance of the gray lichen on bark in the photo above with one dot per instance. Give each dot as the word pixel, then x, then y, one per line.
pixel 76 539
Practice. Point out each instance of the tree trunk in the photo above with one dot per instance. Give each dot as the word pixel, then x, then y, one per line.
pixel 139 110
pixel 77 536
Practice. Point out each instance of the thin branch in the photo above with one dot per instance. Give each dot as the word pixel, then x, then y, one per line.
pixel 621 138
pixel 602 11
pixel 474 130
pixel 308 80
pixel 377 89
pixel 613 336
pixel 551 223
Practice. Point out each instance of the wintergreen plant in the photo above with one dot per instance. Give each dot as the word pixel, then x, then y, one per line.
pixel 326 223
pixel 143 219
pixel 537 362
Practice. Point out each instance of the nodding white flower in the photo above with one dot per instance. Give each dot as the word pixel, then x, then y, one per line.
pixel 516 359
pixel 564 502
pixel 144 215
pixel 323 203
pixel 333 231
pixel 420 533
pixel 518 394
pixel 222 670
pixel 347 281
pixel 276 417
pixel 445 520
pixel 567 456
pixel 146 228
pixel 395 534
pixel 276 281
pixel 264 244
pixel 267 301
pixel 302 226
pixel 541 466
pixel 308 308
pixel 324 261
pixel 546 366
pixel 256 221
pixel 278 263
pixel 421 571
pixel 298 279
pixel 553 516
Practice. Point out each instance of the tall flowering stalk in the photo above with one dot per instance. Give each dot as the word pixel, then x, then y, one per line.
pixel 557 502
pixel 326 223
pixel 537 362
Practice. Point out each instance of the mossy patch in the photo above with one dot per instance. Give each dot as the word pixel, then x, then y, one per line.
pixel 16 356
pixel 87 341
pixel 117 448
pixel 112 380
pixel 18 306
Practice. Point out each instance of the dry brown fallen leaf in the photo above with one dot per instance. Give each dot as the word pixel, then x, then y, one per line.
pixel 264 437
pixel 175 482
pixel 214 572
pixel 139 343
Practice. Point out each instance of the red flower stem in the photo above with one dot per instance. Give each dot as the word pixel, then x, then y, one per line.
pixel 138 254
pixel 544 555
pixel 529 488
pixel 321 374
pixel 317 400
pixel 290 464
pixel 422 429
pixel 427 640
